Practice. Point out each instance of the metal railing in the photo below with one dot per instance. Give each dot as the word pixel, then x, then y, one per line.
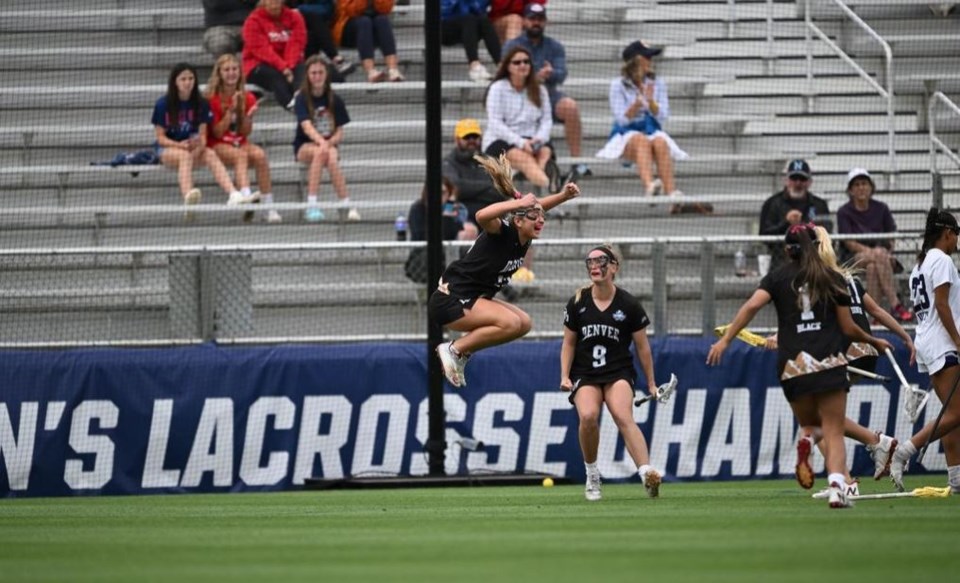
pixel 935 142
pixel 887 93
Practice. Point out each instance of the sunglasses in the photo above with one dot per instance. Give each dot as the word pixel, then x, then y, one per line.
pixel 601 261
pixel 797 178
pixel 520 62
pixel 471 137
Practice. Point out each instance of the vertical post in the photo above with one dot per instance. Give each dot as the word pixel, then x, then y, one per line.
pixel 936 189
pixel 660 288
pixel 708 296
pixel 207 295
pixel 808 41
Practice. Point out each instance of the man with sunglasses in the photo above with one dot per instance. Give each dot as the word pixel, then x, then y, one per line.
pixel 476 189
pixel 793 205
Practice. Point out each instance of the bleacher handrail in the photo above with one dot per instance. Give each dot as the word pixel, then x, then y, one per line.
pixel 935 141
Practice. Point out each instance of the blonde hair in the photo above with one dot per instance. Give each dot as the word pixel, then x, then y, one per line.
pixel 500 172
pixel 215 86
pixel 829 255
pixel 615 257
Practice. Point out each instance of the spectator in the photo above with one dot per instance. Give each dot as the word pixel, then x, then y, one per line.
pixel 793 205
pixel 274 38
pixel 474 187
pixel 507 17
pixel 863 214
pixel 465 22
pixel 519 120
pixel 233 108
pixel 640 106
pixel 180 120
pixel 454 225
pixel 550 63
pixel 365 24
pixel 317 15
pixel 222 23
pixel 321 115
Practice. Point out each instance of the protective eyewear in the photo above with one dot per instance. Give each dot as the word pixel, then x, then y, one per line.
pixel 601 261
pixel 531 214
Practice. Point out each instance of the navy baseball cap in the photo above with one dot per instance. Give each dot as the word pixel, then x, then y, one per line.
pixel 533 10
pixel 637 48
pixel 798 168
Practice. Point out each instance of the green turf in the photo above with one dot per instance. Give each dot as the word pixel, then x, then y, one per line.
pixel 739 532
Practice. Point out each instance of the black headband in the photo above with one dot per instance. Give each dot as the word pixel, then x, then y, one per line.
pixel 606 251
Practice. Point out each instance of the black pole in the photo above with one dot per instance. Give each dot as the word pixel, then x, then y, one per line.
pixel 436 439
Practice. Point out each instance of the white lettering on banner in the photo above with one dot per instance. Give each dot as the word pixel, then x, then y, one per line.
pixel 283 412
pixel 83 442
pixel 55 411
pixel 778 432
pixel 543 433
pixel 154 476
pixel 505 439
pixel 686 433
pixel 212 449
pixel 311 442
pixel 733 418
pixel 612 462
pixel 396 409
pixel 17 450
pixel 456 411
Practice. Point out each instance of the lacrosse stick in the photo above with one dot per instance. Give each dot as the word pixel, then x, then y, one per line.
pixel 663 392
pixel 914 399
pixel 867 374
pixel 925 492
pixel 936 422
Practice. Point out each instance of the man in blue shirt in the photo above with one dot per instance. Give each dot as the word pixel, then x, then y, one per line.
pixel 550 62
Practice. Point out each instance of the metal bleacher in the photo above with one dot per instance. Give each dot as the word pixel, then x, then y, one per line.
pixel 78 84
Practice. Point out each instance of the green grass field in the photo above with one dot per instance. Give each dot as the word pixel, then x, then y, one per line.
pixel 739 532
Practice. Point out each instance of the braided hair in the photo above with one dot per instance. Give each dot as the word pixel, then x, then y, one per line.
pixel 937 221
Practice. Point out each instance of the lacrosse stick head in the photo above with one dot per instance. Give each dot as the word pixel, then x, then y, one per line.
pixel 914 400
pixel 665 390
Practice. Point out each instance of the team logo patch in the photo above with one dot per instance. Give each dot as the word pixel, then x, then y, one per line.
pixel 619 316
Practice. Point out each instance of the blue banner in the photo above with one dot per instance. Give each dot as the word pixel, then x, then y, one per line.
pixel 209 418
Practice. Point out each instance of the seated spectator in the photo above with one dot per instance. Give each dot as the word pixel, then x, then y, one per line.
pixel 321 115
pixel 454 225
pixel 180 120
pixel 793 205
pixel 519 120
pixel 864 214
pixel 365 24
pixel 474 187
pixel 317 15
pixel 550 64
pixel 507 17
pixel 640 106
pixel 465 22
pixel 222 23
pixel 233 108
pixel 274 38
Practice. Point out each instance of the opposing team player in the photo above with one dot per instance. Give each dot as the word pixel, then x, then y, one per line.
pixel 464 300
pixel 813 324
pixel 600 322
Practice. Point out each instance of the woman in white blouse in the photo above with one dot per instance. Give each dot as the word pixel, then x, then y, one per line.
pixel 519 118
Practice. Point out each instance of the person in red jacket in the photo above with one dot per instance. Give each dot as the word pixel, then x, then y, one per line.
pixel 274 38
pixel 507 17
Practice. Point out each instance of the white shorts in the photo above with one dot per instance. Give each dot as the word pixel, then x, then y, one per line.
pixel 941 362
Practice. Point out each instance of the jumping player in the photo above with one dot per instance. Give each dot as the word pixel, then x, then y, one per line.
pixel 935 291
pixel 600 321
pixel 813 324
pixel 464 300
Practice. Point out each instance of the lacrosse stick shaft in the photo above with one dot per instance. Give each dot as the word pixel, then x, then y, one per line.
pixel 896 369
pixel 867 374
pixel 882 496
pixel 936 422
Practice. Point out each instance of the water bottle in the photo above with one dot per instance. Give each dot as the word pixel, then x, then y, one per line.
pixel 470 444
pixel 740 263
pixel 400 226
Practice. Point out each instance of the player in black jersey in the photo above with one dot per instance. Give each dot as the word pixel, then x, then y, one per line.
pixel 813 326
pixel 464 300
pixel 600 322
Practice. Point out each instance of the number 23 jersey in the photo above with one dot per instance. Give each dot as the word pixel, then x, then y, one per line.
pixel 933 340
pixel 603 337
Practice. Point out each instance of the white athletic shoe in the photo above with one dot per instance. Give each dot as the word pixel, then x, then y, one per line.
pixel 849 489
pixel 273 217
pixel 192 197
pixel 651 483
pixel 451 370
pixel 592 490
pixel 838 496
pixel 898 465
pixel 882 454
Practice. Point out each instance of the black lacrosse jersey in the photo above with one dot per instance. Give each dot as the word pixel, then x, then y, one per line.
pixel 603 338
pixel 809 336
pixel 857 309
pixel 487 266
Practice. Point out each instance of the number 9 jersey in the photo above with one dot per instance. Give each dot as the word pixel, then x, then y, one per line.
pixel 932 340
pixel 604 337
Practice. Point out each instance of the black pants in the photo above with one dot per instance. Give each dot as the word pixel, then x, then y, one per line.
pixel 272 80
pixel 319 37
pixel 469 29
pixel 366 33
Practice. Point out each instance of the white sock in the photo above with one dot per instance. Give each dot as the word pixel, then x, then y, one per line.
pixel 345 201
pixel 906 450
pixel 643 471
pixel 838 479
pixel 953 478
pixel 235 192
pixel 591 468
pixel 312 198
pixel 245 191
pixel 267 198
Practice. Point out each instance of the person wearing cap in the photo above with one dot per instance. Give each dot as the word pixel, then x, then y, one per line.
pixel 814 327
pixel 863 214
pixel 507 17
pixel 793 205
pixel 640 106
pixel 465 22
pixel 476 189
pixel 550 64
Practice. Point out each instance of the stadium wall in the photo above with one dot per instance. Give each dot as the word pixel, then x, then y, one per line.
pixel 214 419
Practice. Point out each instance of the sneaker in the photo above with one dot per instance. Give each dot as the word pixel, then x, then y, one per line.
pixel 375 76
pixel 849 489
pixel 654 188
pixel 803 470
pixel 553 175
pixel 881 454
pixel 344 67
pixel 273 217
pixel 592 490
pixel 236 198
pixel 898 465
pixel 676 192
pixel 313 215
pixel 353 215
pixel 651 483
pixel 901 313
pixel 479 74
pixel 193 196
pixel 395 76
pixel 838 496
pixel 451 368
pixel 523 275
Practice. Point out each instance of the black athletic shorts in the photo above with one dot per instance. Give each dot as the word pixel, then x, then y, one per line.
pixel 445 308
pixel 822 381
pixel 603 380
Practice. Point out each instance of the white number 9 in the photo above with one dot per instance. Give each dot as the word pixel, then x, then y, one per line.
pixel 599 355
